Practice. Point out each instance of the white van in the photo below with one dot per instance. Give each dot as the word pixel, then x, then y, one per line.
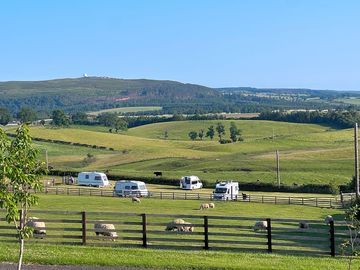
pixel 93 179
pixel 228 190
pixel 190 182
pixel 125 188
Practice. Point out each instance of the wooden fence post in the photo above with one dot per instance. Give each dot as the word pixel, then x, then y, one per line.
pixel 332 238
pixel 268 229
pixel 144 235
pixel 83 227
pixel 206 233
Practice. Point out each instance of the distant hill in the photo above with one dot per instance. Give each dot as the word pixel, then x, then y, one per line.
pixel 97 93
pixel 90 93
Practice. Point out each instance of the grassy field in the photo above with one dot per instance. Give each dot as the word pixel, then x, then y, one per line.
pixel 308 153
pixel 172 259
pixel 127 109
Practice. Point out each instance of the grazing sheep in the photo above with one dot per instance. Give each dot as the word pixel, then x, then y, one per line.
pixel 260 226
pixel 178 225
pixel 135 199
pixel 211 205
pixel 328 219
pixel 303 225
pixel 204 206
pixel 105 229
pixel 37 226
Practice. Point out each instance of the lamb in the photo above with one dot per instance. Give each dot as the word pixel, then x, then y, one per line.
pixel 328 219
pixel 204 206
pixel 303 225
pixel 211 205
pixel 178 225
pixel 260 226
pixel 37 226
pixel 135 199
pixel 105 229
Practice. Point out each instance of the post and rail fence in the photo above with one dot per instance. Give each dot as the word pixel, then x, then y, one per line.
pixel 341 201
pixel 235 233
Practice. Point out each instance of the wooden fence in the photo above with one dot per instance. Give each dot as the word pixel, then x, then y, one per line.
pixel 324 202
pixel 209 232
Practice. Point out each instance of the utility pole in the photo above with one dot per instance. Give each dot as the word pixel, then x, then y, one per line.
pixel 278 167
pixel 356 143
pixel 47 160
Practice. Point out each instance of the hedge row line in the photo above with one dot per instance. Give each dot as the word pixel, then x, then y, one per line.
pixel 248 186
pixel 68 143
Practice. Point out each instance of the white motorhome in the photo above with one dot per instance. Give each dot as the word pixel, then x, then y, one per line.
pixel 93 179
pixel 190 182
pixel 125 188
pixel 228 190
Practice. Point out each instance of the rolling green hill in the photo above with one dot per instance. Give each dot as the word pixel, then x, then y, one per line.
pixel 94 93
pixel 308 153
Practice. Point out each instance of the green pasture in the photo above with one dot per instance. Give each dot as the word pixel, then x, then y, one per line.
pixel 127 110
pixel 36 252
pixel 308 153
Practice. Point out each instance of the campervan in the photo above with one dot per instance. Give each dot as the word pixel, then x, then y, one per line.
pixel 93 179
pixel 125 188
pixel 190 182
pixel 228 190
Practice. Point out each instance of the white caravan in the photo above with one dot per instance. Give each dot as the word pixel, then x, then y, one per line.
pixel 190 182
pixel 228 190
pixel 93 179
pixel 125 188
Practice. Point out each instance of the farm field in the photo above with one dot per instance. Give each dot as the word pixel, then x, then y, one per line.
pixel 127 109
pixel 172 259
pixel 308 153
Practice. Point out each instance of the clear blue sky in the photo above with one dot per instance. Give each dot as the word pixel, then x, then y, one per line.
pixel 290 43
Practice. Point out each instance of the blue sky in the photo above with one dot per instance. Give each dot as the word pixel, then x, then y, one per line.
pixel 310 44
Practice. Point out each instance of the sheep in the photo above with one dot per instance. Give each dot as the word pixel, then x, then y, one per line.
pixel 328 219
pixel 211 205
pixel 105 229
pixel 303 225
pixel 135 199
pixel 204 206
pixel 260 226
pixel 37 226
pixel 178 225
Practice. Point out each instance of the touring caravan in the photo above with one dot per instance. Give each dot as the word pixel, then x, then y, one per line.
pixel 228 190
pixel 93 179
pixel 126 188
pixel 190 182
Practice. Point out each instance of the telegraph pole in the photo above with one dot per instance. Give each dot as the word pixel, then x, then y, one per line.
pixel 278 167
pixel 47 160
pixel 356 143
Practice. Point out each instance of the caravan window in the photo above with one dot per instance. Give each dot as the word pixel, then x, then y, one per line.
pixel 97 177
pixel 194 182
pixel 127 187
pixel 142 187
pixel 104 177
pixel 86 176
pixel 220 190
pixel 134 187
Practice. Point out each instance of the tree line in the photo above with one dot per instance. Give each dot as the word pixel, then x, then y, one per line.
pixel 219 129
pixel 334 118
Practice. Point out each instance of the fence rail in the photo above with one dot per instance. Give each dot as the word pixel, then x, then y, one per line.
pixel 324 202
pixel 192 232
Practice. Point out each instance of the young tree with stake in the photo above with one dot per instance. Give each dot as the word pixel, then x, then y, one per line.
pixel 20 172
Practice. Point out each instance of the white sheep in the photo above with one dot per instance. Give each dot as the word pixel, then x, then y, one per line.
pixel 178 225
pixel 211 205
pixel 135 199
pixel 204 206
pixel 328 219
pixel 260 226
pixel 105 229
pixel 303 225
pixel 37 226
